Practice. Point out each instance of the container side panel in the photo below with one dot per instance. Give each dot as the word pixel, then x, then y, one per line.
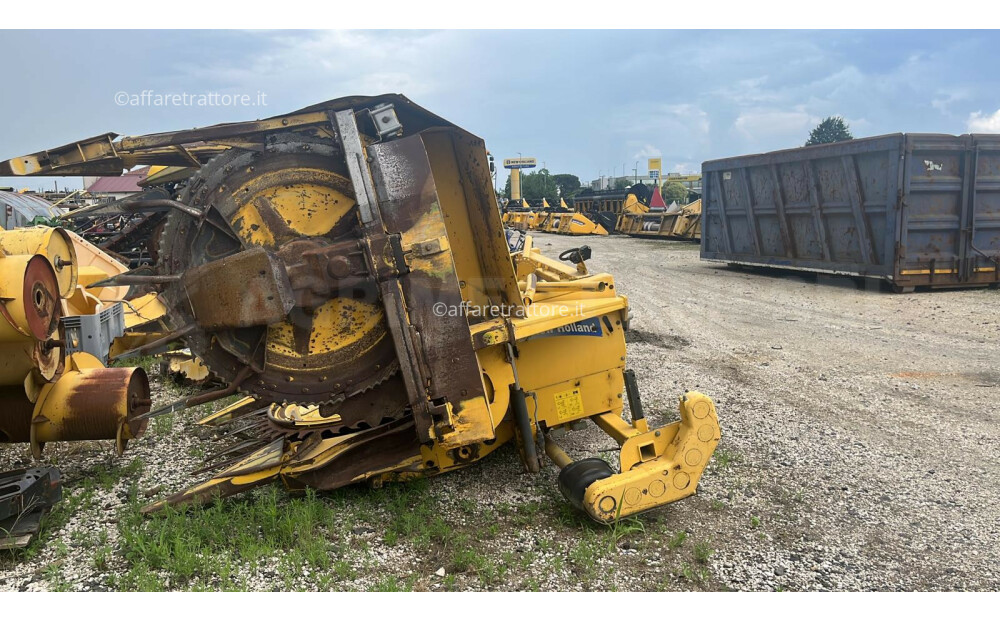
pixel 794 180
pixel 876 176
pixel 734 203
pixel 831 207
pixel 934 203
pixel 766 210
pixel 985 247
pixel 836 212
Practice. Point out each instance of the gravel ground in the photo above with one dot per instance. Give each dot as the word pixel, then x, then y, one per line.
pixel 859 452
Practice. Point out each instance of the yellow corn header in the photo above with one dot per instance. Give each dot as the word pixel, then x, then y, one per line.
pixel 344 268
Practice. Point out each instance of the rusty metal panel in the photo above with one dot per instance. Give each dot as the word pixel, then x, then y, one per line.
pixel 410 206
pixel 913 209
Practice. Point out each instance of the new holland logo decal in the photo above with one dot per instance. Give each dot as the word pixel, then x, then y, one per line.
pixel 586 327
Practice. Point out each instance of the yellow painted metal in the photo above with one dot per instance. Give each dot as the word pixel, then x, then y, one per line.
pixel 659 466
pixel 20 317
pixel 184 365
pixel 46 394
pixel 515 184
pixel 564 223
pixel 638 221
pixel 86 402
pixel 54 244
pixel 554 333
pixel 227 413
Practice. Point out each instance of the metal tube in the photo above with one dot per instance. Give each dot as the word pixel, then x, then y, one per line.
pixel 519 406
pixel 632 390
pixel 556 453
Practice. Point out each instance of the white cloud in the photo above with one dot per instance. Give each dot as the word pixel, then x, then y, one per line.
pixel 980 123
pixel 767 125
pixel 647 150
pixel 946 98
pixel 341 61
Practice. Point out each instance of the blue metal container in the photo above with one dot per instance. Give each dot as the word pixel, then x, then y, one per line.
pixel 911 209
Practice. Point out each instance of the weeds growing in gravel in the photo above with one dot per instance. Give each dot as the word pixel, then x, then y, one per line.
pixel 201 543
pixel 703 551
pixel 677 539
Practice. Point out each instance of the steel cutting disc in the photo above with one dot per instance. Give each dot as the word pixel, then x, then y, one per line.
pixel 296 190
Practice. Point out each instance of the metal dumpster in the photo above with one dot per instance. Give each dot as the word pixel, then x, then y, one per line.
pixel 911 209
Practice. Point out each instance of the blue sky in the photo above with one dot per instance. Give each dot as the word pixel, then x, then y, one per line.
pixel 584 102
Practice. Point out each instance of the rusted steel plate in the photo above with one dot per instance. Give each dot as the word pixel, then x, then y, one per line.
pixel 409 205
pixel 243 290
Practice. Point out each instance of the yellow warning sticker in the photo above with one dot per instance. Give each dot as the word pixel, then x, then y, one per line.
pixel 569 404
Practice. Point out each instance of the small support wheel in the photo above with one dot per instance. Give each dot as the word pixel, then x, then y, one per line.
pixel 578 475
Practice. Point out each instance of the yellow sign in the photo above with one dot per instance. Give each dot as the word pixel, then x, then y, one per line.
pixel 655 164
pixel 569 404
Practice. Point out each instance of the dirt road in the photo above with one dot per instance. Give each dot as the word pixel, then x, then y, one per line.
pixel 862 428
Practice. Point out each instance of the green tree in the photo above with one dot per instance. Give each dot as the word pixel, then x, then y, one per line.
pixel 675 192
pixel 621 183
pixel 568 184
pixel 538 185
pixel 831 129
pixel 506 188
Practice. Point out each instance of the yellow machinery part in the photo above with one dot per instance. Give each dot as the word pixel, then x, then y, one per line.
pixel 29 298
pixel 91 402
pixel 94 265
pixel 537 349
pixel 568 223
pixel 29 318
pixel 86 402
pixel 657 467
pixel 683 224
pixel 185 366
pixel 54 244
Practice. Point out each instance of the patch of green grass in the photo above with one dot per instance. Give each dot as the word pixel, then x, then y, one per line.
pixel 101 558
pixel 585 553
pixel 200 545
pixel 695 574
pixel 146 362
pixel 620 528
pixel 163 425
pixel 526 513
pixel 754 522
pixel 391 583
pixel 138 578
pixel 52 573
pixel 414 514
pixel 677 540
pixel 108 475
pixel 725 458
pixel 702 551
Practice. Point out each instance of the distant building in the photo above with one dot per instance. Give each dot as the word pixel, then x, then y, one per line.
pixel 109 189
pixel 690 181
pixel 17 210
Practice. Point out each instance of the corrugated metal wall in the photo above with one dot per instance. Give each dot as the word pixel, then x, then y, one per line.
pixel 915 209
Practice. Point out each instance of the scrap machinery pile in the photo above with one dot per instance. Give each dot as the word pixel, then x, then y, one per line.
pixel 560 220
pixel 55 337
pixel 344 268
